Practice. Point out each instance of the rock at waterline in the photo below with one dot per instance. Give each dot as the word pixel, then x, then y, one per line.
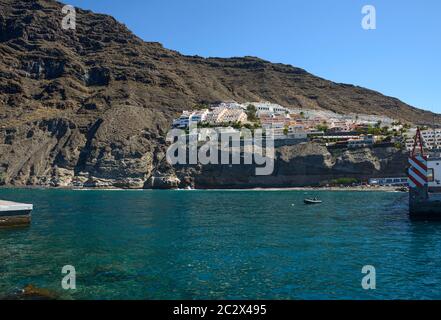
pixel 31 292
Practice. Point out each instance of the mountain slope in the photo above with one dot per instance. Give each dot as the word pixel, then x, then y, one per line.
pixel 98 100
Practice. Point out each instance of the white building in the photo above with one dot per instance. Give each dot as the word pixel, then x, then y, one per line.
pixel 231 105
pixel 266 107
pixel 278 128
pixel 432 138
pixel 221 115
pixel 215 115
pixel 183 121
pixel 298 135
pixel 339 125
pixel 366 141
pixel 188 118
pixel 297 132
pixel 434 172
pixel 297 128
pixel 389 182
pixel 233 115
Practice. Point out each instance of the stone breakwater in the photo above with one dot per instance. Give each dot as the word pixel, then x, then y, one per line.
pixel 14 214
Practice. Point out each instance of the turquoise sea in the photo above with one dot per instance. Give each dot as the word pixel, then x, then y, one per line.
pixel 221 245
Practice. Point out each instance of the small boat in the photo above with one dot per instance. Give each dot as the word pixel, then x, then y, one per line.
pixel 313 201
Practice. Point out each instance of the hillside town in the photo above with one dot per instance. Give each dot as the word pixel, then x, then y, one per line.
pixel 300 125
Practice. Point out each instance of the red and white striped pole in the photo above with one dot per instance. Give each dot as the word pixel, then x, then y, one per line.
pixel 417 173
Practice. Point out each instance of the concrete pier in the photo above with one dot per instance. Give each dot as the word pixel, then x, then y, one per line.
pixel 14 214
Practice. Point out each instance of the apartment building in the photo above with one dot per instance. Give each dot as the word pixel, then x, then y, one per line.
pixel 270 108
pixel 233 115
pixel 432 138
pixel 188 118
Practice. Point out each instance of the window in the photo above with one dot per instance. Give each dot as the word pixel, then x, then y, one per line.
pixel 430 175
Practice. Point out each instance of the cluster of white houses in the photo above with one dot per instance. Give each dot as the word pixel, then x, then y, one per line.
pixel 274 116
pixel 300 123
pixel 216 116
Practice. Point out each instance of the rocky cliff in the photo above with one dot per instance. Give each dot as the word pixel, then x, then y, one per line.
pixel 305 164
pixel 92 106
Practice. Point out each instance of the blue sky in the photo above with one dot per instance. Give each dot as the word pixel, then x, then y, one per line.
pixel 401 58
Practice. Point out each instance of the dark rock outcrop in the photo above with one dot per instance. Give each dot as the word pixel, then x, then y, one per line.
pixel 306 164
pixel 30 292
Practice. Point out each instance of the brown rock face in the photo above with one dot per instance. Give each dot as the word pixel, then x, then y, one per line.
pixel 306 164
pixel 96 102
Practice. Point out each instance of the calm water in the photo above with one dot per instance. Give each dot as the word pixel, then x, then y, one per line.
pixel 220 245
